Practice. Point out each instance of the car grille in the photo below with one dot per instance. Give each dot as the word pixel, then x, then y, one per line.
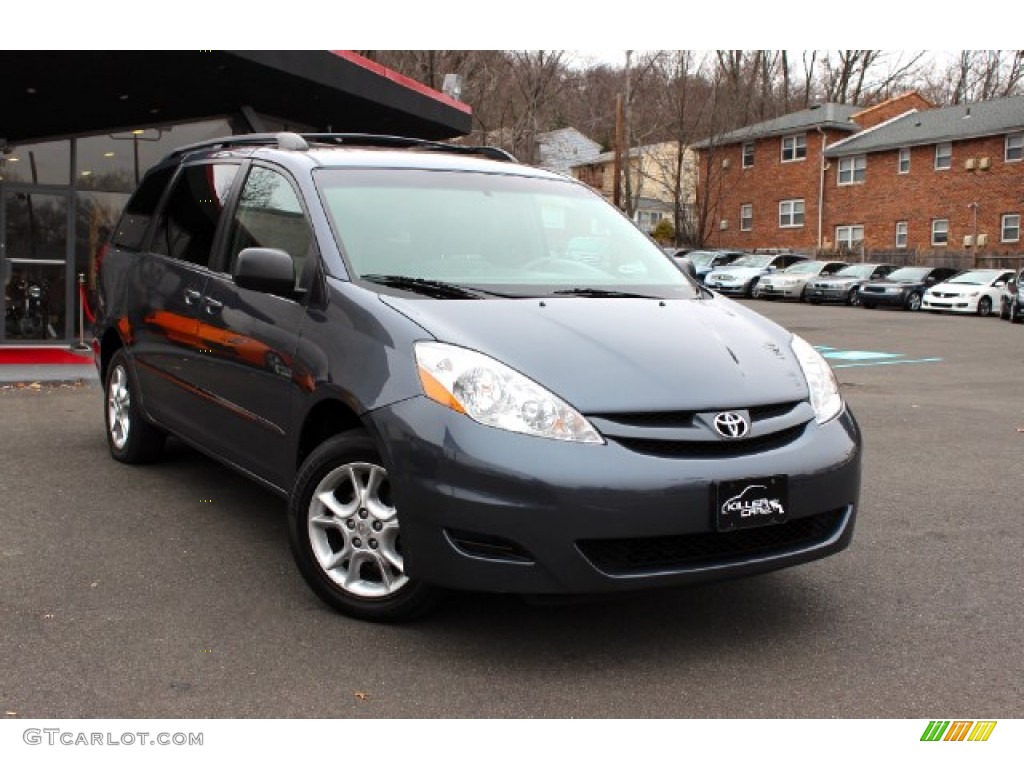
pixel 623 557
pixel 938 295
pixel 689 434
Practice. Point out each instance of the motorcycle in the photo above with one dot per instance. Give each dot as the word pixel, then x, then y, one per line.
pixel 27 311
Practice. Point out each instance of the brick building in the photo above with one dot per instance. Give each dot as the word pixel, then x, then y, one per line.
pixel 902 178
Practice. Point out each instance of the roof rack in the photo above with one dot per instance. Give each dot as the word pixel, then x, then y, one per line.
pixel 300 143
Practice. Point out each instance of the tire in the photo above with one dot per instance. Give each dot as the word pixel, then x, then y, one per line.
pixel 914 302
pixel 344 533
pixel 1004 310
pixel 132 439
pixel 1015 313
pixel 750 288
pixel 984 306
pixel 854 298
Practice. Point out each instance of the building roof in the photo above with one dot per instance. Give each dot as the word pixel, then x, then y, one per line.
pixel 828 115
pixel 560 150
pixel 58 93
pixel 965 121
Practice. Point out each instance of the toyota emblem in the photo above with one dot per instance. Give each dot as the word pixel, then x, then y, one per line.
pixel 731 424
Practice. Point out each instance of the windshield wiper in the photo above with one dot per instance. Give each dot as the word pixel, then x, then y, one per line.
pixel 601 293
pixel 435 288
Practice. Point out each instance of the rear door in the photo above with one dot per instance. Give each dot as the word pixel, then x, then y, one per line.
pixel 171 278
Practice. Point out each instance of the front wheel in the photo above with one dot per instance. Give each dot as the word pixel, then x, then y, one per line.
pixel 854 298
pixel 914 302
pixel 132 439
pixel 984 306
pixel 345 536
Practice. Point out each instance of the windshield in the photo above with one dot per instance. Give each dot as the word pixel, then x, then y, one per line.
pixel 701 258
pixel 908 274
pixel 975 277
pixel 508 235
pixel 752 261
pixel 856 270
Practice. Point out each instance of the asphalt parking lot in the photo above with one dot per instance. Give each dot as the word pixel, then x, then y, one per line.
pixel 168 591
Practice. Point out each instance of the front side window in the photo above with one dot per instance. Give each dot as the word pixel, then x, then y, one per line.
pixel 940 231
pixel 794 147
pixel 748 154
pixel 1014 147
pixel 269 215
pixel 746 217
pixel 903 164
pixel 140 209
pixel 852 169
pixel 943 156
pixel 189 220
pixel 791 213
pixel 850 236
pixel 1011 228
pixel 901 234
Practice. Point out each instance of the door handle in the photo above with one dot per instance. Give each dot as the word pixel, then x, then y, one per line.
pixel 191 296
pixel 212 306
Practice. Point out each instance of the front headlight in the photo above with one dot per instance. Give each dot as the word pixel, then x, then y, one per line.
pixel 821 381
pixel 493 394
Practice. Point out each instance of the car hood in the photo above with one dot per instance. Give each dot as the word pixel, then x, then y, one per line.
pixel 626 355
pixel 740 271
pixel 961 289
pixel 895 283
pixel 838 281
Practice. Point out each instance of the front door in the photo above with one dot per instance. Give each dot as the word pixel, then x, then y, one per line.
pixel 36 263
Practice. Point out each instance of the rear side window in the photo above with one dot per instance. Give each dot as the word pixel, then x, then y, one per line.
pixel 131 229
pixel 189 221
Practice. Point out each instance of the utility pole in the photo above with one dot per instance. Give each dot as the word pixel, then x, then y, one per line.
pixel 974 236
pixel 619 140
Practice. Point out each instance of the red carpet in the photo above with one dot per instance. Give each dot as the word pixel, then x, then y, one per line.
pixel 44 356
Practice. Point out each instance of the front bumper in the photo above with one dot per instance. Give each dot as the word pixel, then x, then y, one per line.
pixel 484 509
pixel 950 304
pixel 884 299
pixel 828 294
pixel 730 287
pixel 770 290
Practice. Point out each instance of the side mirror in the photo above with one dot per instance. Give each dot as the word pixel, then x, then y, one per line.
pixel 268 270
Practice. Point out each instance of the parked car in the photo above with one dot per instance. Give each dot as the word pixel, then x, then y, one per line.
pixel 976 291
pixel 844 285
pixel 903 287
pixel 705 261
pixel 791 282
pixel 1011 303
pixel 421 348
pixel 741 276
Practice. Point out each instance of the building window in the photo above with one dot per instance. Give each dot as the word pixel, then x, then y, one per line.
pixel 791 213
pixel 903 165
pixel 943 156
pixel 1014 147
pixel 852 169
pixel 850 237
pixel 940 231
pixel 794 148
pixel 901 234
pixel 746 217
pixel 1011 228
pixel 748 154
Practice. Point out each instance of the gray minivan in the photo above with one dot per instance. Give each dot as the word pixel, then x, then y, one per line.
pixel 462 372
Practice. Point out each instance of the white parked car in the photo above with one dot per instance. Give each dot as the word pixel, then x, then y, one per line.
pixel 977 291
pixel 790 282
